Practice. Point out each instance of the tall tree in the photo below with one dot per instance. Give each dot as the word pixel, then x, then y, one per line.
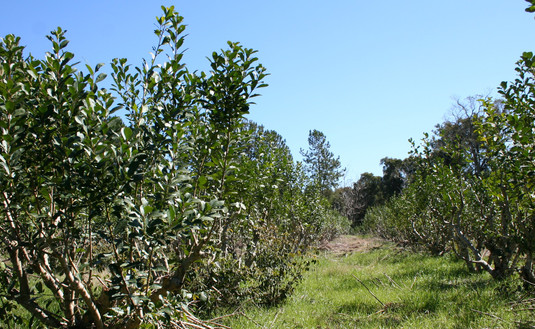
pixel 321 165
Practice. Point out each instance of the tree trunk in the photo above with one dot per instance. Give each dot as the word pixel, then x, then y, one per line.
pixel 527 271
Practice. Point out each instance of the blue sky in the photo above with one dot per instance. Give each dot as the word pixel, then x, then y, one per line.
pixel 368 74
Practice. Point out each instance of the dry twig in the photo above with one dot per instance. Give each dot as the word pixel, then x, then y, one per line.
pixel 369 290
pixel 488 314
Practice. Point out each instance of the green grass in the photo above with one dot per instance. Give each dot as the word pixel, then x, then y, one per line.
pixel 414 291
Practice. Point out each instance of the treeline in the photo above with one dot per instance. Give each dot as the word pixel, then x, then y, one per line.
pixel 371 190
pixel 182 207
pixel 468 188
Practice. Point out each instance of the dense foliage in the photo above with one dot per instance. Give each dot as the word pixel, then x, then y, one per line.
pixel 108 222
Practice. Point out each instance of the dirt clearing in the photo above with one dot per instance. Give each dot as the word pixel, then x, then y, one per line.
pixel 352 243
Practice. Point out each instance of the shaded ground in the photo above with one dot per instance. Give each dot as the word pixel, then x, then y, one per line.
pixel 350 243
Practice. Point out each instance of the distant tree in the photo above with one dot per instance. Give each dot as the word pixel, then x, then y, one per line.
pixel 397 174
pixel 392 181
pixel 342 200
pixel 367 193
pixel 457 142
pixel 321 165
pixel 371 190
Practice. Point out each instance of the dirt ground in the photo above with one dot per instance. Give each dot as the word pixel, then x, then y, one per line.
pixel 351 243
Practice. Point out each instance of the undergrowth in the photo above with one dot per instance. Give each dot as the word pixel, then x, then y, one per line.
pixel 392 288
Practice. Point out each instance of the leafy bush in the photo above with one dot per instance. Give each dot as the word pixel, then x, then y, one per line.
pixel 112 223
pixel 474 195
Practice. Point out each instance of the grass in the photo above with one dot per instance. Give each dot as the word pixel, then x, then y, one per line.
pixel 390 288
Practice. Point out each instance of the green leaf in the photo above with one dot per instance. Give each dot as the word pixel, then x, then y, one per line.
pixel 64 44
pixel 126 132
pixel 100 77
pixel 202 181
pixel 147 210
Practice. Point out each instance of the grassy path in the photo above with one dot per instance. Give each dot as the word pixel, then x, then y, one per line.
pixel 367 283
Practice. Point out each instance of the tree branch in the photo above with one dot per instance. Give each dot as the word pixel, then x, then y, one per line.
pixel 78 287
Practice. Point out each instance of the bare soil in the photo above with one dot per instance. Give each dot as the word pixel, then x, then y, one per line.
pixel 346 244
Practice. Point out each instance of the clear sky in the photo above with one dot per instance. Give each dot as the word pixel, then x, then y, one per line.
pixel 368 74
